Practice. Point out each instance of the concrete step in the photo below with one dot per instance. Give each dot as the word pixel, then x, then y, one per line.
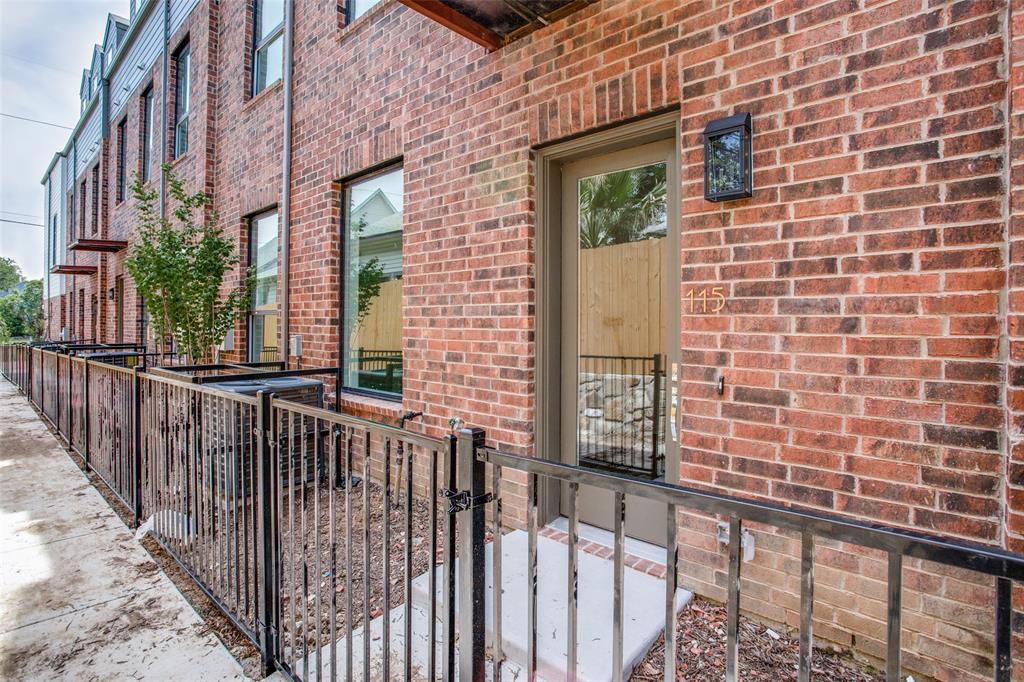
pixel 643 607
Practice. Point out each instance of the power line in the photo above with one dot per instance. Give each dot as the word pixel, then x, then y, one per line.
pixel 27 215
pixel 33 120
pixel 21 222
pixel 45 66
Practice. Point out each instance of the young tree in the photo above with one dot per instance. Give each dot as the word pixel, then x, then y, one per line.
pixel 179 267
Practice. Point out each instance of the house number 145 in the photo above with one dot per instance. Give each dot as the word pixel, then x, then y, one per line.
pixel 706 300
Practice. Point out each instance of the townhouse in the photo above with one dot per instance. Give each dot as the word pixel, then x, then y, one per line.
pixel 497 212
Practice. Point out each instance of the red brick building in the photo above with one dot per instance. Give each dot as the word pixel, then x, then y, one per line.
pixel 865 301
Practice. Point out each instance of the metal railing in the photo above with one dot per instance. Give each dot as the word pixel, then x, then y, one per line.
pixel 1004 567
pixel 300 526
pixel 621 411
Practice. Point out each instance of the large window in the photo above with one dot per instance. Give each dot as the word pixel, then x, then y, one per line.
pixel 268 43
pixel 81 209
pixel 357 8
pixel 146 157
pixel 122 160
pixel 95 198
pixel 181 100
pixel 372 301
pixel 264 320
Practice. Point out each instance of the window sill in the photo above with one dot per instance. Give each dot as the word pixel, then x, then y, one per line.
pixel 174 163
pixel 368 407
pixel 254 100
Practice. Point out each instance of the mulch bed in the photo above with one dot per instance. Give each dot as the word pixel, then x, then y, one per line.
pixel 766 655
pixel 325 588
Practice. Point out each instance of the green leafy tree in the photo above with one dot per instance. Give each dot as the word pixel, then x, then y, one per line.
pixel 371 276
pixel 10 274
pixel 22 311
pixel 5 334
pixel 619 207
pixel 179 266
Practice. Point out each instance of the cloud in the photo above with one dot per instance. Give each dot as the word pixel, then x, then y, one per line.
pixel 44 45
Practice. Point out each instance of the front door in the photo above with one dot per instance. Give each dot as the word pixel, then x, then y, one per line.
pixel 616 302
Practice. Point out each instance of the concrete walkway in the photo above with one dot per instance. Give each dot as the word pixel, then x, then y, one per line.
pixel 80 599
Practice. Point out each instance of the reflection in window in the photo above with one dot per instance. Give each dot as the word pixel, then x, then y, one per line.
pixel 358 8
pixel 268 50
pixel 264 320
pixel 181 100
pixel 621 332
pixel 372 284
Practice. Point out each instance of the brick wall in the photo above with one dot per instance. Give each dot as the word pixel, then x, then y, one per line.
pixel 873 280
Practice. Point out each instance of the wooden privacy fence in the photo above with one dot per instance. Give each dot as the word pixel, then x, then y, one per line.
pixel 284 515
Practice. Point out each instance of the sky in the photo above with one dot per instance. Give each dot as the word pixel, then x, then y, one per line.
pixel 44 45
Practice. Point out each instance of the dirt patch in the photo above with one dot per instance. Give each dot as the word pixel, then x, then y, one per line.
pixel 766 655
pixel 247 655
pixel 314 580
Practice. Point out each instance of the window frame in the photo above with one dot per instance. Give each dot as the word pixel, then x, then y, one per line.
pixel 122 160
pixel 253 220
pixel 182 99
pixel 259 45
pixel 81 208
pixel 95 199
pixel 146 153
pixel 345 186
pixel 350 10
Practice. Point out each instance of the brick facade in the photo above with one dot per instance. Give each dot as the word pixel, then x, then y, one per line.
pixel 871 342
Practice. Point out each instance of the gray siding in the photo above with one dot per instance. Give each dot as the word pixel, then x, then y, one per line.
pixel 180 9
pixel 89 141
pixel 136 65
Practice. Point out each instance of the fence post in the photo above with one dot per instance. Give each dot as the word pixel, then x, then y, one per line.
pixel 471 585
pixel 267 531
pixel 137 444
pixel 85 416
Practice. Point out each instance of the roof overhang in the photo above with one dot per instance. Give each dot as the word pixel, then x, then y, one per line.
pixel 495 23
pixel 99 245
pixel 73 270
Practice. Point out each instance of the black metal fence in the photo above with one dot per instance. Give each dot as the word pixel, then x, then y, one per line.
pixel 305 526
pixel 621 413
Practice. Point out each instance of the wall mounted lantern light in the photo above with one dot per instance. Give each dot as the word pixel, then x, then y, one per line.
pixel 110 294
pixel 728 159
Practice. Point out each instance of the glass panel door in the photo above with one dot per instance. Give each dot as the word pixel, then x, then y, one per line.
pixel 615 307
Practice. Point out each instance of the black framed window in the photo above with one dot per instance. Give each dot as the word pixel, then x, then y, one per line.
pixel 146 158
pixel 264 317
pixel 95 198
pixel 268 43
pixel 181 100
pixel 53 240
pixel 81 209
pixel 122 160
pixel 371 281
pixel 357 8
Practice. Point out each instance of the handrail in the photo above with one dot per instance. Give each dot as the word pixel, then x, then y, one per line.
pixel 980 558
pixel 424 441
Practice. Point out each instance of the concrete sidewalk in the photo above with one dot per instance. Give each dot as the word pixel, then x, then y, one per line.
pixel 80 599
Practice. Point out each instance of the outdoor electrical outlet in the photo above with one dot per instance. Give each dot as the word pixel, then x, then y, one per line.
pixel 746 540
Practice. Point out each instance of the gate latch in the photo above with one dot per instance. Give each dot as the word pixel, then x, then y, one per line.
pixel 460 500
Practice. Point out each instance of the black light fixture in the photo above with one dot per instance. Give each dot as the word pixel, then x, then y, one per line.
pixel 110 294
pixel 728 159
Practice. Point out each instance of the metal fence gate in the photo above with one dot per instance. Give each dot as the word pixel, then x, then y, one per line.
pixel 309 528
